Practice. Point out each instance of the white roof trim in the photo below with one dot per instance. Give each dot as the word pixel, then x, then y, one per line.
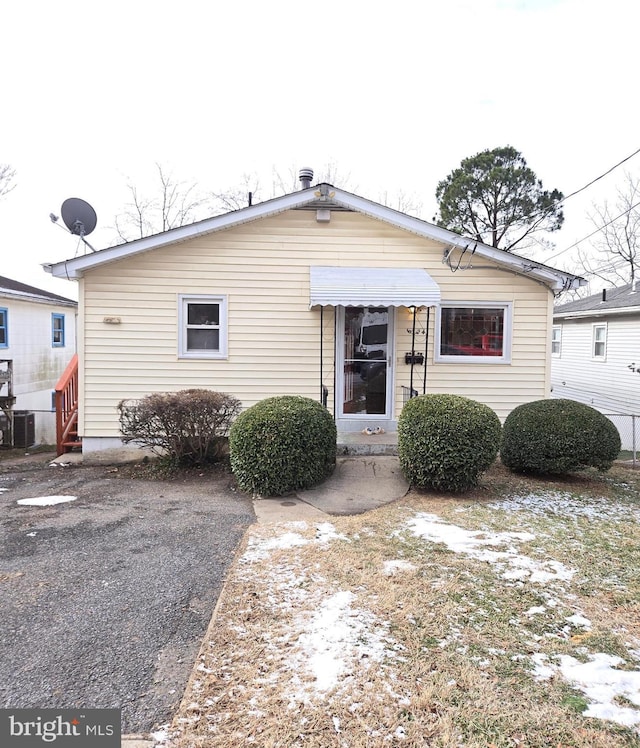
pixel 585 313
pixel 74 268
pixel 6 293
pixel 357 286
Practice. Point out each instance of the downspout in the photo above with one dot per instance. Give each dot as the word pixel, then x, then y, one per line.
pixel 426 350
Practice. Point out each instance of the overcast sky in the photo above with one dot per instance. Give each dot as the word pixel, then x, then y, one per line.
pixel 396 94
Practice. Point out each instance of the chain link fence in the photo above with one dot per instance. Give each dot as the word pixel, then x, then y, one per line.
pixel 628 426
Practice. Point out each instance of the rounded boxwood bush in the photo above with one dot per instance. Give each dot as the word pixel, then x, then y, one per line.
pixel 558 437
pixel 446 441
pixel 282 444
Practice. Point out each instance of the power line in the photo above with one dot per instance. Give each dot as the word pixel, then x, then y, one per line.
pixel 577 192
pixel 593 181
pixel 593 233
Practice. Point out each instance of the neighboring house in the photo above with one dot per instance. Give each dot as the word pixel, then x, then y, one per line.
pixel 596 354
pixel 37 341
pixel 315 293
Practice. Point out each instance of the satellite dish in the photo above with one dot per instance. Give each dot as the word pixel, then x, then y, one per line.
pixel 78 216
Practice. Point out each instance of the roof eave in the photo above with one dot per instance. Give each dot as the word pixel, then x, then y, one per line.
pixel 557 280
pixel 585 313
pixel 35 298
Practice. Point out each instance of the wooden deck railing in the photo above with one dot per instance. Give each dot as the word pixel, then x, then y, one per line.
pixel 67 408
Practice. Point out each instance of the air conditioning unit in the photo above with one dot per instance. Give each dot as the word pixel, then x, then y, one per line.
pixel 24 429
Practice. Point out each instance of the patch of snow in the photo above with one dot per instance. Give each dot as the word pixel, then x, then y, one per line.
pixel 259 548
pixel 161 735
pixel 601 682
pixel 335 635
pixel 46 500
pixel 474 543
pixel 390 568
pixel 325 532
pixel 541 670
pixel 579 620
pixel 535 610
pixel 565 504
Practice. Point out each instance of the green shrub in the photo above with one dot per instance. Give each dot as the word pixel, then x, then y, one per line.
pixel 558 437
pixel 187 427
pixel 446 441
pixel 282 444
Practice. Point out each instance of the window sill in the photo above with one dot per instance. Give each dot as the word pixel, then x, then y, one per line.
pixel 201 356
pixel 471 360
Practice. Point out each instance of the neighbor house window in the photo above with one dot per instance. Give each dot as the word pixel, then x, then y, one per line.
pixel 203 326
pixel 57 330
pixel 599 341
pixel 478 333
pixel 556 340
pixel 4 328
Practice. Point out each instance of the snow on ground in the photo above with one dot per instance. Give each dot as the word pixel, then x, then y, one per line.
pixel 46 500
pixel 602 683
pixel 331 639
pixel 336 636
pixel 566 505
pixel 395 566
pixel 259 548
pixel 474 543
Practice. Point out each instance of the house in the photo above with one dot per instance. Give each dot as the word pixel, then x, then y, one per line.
pixel 596 355
pixel 37 341
pixel 320 293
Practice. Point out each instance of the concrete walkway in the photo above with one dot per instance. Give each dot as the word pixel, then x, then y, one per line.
pixel 358 484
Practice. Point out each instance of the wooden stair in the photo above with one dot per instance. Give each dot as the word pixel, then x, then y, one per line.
pixel 66 390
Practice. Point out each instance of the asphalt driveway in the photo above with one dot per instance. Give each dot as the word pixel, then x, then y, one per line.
pixel 105 599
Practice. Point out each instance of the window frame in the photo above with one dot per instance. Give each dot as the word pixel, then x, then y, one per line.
pixel 594 341
pixel 183 304
pixel 57 317
pixel 5 326
pixel 507 333
pixel 556 329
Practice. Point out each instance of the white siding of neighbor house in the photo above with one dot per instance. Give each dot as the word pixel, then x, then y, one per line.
pixel 607 384
pixel 273 337
pixel 37 365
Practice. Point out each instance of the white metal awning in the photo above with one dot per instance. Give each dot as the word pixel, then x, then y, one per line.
pixel 356 286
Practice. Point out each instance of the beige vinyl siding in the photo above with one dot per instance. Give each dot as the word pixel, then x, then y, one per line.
pixel 273 337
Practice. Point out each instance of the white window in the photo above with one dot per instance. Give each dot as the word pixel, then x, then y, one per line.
pixel 203 326
pixel 556 341
pixel 472 332
pixel 599 349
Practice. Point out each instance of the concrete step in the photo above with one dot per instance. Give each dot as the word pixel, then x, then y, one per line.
pixel 357 443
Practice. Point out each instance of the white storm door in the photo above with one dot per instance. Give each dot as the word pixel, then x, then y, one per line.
pixel 364 362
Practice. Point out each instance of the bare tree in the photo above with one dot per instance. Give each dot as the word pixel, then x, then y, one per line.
pixel 245 193
pixel 7 175
pixel 176 203
pixel 405 202
pixel 617 245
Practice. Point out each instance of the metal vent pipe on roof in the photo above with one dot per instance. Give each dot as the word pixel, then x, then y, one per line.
pixel 305 175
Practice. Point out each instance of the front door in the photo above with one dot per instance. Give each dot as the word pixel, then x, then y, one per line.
pixel 364 356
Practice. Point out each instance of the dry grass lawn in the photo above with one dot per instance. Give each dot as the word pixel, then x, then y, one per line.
pixel 508 617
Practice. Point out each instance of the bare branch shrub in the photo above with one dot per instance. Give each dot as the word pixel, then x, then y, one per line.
pixel 187 427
